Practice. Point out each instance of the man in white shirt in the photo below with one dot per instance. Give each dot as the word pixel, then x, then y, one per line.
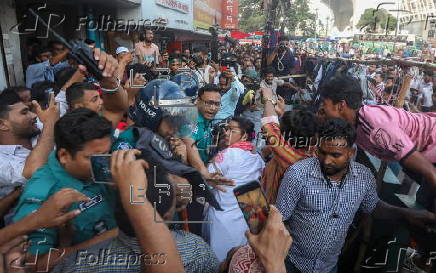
pixel 425 89
pixel 372 69
pixel 19 157
pixel 271 82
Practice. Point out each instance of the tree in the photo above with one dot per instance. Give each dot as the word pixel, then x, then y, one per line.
pixel 375 21
pixel 292 15
pixel 251 15
pixel 298 17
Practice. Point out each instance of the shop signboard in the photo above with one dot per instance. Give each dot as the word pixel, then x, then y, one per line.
pixel 207 13
pixel 230 15
pixel 178 14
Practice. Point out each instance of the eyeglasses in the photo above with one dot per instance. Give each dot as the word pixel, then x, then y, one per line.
pixel 232 130
pixel 211 103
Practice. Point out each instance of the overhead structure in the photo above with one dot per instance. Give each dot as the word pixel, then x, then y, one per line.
pixel 343 12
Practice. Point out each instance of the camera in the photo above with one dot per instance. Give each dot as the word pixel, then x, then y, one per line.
pixel 196 59
pixel 229 59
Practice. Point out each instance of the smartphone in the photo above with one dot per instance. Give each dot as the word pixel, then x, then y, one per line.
pixel 253 204
pixel 101 169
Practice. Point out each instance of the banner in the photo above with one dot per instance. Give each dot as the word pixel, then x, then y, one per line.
pixel 381 38
pixel 207 13
pixel 175 5
pixel 177 13
pixel 230 14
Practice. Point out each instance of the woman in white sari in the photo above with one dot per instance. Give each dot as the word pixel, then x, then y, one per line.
pixel 242 164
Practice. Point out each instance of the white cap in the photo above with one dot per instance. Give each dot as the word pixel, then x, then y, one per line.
pixel 121 49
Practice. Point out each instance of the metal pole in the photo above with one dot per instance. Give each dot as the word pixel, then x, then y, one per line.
pixel 398 25
pixel 398 18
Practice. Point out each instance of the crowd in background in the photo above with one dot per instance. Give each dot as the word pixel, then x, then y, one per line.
pixel 292 119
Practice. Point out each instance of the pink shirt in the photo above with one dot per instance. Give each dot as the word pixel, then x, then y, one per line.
pixel 392 134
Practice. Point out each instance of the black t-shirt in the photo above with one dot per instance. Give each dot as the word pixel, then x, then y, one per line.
pixel 283 63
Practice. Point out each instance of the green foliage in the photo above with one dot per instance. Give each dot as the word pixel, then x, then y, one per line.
pixel 299 17
pixel 251 15
pixel 374 21
pixel 295 13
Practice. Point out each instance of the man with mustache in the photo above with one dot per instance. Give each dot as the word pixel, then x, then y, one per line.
pixel 20 155
pixel 320 196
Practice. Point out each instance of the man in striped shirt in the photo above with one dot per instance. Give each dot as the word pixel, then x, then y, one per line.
pixel 289 141
pixel 320 196
pixel 378 87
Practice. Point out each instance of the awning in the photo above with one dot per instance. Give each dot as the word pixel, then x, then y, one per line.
pixel 238 35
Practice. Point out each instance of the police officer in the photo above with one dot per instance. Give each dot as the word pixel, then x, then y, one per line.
pixel 78 135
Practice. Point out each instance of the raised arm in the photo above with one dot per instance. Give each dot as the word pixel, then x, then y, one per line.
pixel 272 244
pixel 271 57
pixel 269 109
pixel 39 155
pixel 115 103
pixel 52 213
pixel 129 174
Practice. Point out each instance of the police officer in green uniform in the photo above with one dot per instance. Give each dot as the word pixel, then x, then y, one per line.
pixel 78 135
pixel 208 102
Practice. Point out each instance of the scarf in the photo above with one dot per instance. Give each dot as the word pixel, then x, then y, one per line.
pixel 243 145
pixel 245 261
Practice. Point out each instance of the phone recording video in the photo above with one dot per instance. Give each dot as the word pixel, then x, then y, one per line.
pixel 253 204
pixel 101 169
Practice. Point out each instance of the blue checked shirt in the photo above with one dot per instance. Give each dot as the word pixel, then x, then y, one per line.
pixel 320 212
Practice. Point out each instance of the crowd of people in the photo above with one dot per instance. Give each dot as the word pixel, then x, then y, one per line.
pixel 292 123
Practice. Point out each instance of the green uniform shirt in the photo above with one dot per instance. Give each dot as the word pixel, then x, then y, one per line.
pixel 202 135
pixel 125 141
pixel 50 179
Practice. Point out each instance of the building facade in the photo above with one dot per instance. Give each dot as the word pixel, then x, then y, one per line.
pixel 178 24
pixel 418 17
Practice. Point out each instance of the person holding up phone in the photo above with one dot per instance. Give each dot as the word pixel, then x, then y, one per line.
pixel 78 135
pixel 239 163
pixel 266 251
